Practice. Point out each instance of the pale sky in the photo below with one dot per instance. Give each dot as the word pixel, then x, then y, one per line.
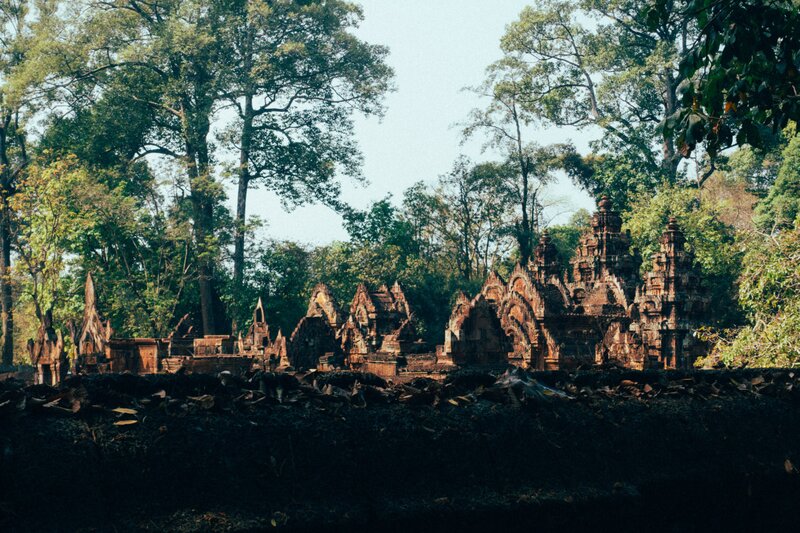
pixel 436 48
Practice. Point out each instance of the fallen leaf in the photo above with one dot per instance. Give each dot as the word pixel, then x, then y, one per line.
pixel 125 422
pixel 125 411
pixel 206 401
pixel 789 467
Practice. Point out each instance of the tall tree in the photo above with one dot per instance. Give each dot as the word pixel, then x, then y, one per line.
pixel 528 166
pixel 173 60
pixel 24 24
pixel 780 209
pixel 474 215
pixel 296 75
pixel 54 207
pixel 619 73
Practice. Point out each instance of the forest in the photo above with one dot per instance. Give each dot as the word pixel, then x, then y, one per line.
pixel 127 128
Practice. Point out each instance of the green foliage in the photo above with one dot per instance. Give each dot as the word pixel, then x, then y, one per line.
pixel 619 177
pixel 601 63
pixel 280 276
pixel 567 236
pixel 781 207
pixel 55 208
pixel 526 167
pixel 741 76
pixel 757 167
pixel 308 73
pixel 475 216
pixel 770 294
pixel 70 222
pixel 713 242
pixel 378 224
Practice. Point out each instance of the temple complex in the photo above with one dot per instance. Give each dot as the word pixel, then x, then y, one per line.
pixel 474 335
pixel 601 311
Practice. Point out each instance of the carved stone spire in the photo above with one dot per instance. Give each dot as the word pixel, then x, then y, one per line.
pixel 544 263
pixel 605 250
pixel 671 302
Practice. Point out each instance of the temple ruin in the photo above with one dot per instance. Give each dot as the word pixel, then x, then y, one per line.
pixel 600 312
pixel 379 330
pixel 47 353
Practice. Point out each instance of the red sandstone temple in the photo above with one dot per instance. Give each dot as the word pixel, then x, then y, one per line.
pixel 600 312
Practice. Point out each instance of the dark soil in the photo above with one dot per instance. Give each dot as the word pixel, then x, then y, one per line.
pixel 626 451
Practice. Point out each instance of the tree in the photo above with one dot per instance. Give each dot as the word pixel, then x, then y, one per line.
pixel 566 237
pixel 296 75
pixel 377 225
pixel 621 75
pixel 26 30
pixel 171 55
pixel 139 251
pixel 781 207
pixel 419 212
pixel 744 72
pixel 281 276
pixel 769 295
pixel 617 176
pixel 713 242
pixel 528 167
pixel 53 207
pixel 756 166
pixel 474 213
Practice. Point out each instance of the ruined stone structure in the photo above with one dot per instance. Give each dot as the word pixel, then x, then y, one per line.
pixel 377 334
pixel 379 322
pixel 258 336
pixel 474 335
pixel 258 343
pixel 99 351
pixel 323 304
pixel 316 336
pixel 94 334
pixel 601 312
pixel 670 303
pixel 312 339
pixel 47 353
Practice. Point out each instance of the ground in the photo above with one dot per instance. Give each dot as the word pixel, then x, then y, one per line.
pixel 666 451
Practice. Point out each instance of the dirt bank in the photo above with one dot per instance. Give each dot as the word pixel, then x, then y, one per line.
pixel 621 451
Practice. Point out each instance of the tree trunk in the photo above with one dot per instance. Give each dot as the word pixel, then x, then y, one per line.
pixel 197 168
pixel 671 159
pixel 524 232
pixel 6 299
pixel 241 198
